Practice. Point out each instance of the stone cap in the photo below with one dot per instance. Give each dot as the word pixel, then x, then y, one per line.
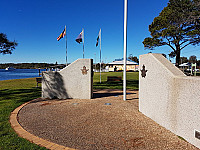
pixel 165 63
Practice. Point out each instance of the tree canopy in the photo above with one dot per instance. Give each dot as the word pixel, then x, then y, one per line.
pixel 193 59
pixel 6 46
pixel 177 26
pixel 184 60
pixel 135 59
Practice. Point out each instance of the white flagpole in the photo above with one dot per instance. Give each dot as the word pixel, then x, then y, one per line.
pixel 66 43
pixel 83 41
pixel 125 48
pixel 100 52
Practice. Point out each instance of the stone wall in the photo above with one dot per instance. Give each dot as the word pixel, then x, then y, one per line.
pixel 74 81
pixel 169 97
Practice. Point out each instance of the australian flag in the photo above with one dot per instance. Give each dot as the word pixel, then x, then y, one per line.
pixel 79 38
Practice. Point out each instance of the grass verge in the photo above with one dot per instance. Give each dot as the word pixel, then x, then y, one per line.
pixel 13 94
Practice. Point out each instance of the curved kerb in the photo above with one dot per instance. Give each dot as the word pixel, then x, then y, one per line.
pixel 32 138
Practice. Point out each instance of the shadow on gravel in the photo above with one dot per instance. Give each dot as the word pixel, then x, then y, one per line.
pixel 100 95
pixel 131 99
pixel 110 92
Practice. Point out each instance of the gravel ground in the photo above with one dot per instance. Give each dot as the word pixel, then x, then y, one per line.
pixel 90 124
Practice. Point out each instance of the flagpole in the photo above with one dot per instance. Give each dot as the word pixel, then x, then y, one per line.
pixel 125 48
pixel 83 41
pixel 100 53
pixel 66 43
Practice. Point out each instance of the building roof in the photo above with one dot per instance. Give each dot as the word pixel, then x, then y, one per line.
pixel 184 65
pixel 121 62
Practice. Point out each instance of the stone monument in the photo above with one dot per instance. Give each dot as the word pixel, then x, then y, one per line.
pixel 169 97
pixel 74 81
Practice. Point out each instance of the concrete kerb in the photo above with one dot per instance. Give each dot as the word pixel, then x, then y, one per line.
pixel 30 137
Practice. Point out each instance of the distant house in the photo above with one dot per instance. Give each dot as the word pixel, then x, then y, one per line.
pixel 184 66
pixel 118 64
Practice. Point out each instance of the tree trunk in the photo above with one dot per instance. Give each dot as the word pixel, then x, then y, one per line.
pixel 178 55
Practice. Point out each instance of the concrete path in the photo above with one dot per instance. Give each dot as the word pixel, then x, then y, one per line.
pixel 105 122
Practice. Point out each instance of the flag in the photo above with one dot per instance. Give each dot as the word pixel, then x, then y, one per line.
pixel 98 38
pixel 62 35
pixel 97 41
pixel 79 38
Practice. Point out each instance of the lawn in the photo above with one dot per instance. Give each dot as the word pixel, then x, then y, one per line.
pixel 131 77
pixel 13 93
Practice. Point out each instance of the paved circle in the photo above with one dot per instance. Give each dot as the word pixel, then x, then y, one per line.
pixel 90 124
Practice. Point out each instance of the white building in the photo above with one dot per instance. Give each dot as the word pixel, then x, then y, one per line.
pixel 118 64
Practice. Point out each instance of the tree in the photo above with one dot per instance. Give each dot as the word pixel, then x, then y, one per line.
pixel 172 54
pixel 194 16
pixel 103 66
pixel 184 59
pixel 193 59
pixel 198 64
pixel 177 26
pixel 6 46
pixel 135 59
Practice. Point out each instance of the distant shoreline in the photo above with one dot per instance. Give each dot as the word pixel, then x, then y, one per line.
pixel 31 65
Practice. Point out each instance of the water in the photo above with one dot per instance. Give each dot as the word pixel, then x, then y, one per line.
pixel 19 74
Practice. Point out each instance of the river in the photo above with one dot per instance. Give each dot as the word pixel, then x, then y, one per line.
pixel 19 74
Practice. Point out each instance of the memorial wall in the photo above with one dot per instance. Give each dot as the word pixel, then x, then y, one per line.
pixel 169 97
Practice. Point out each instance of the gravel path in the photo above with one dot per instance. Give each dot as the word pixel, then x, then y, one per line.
pixel 90 124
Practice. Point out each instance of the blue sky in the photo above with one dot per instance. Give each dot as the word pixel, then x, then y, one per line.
pixel 36 24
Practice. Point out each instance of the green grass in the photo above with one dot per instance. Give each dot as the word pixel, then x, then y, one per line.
pixel 132 80
pixel 198 74
pixel 181 138
pixel 13 93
